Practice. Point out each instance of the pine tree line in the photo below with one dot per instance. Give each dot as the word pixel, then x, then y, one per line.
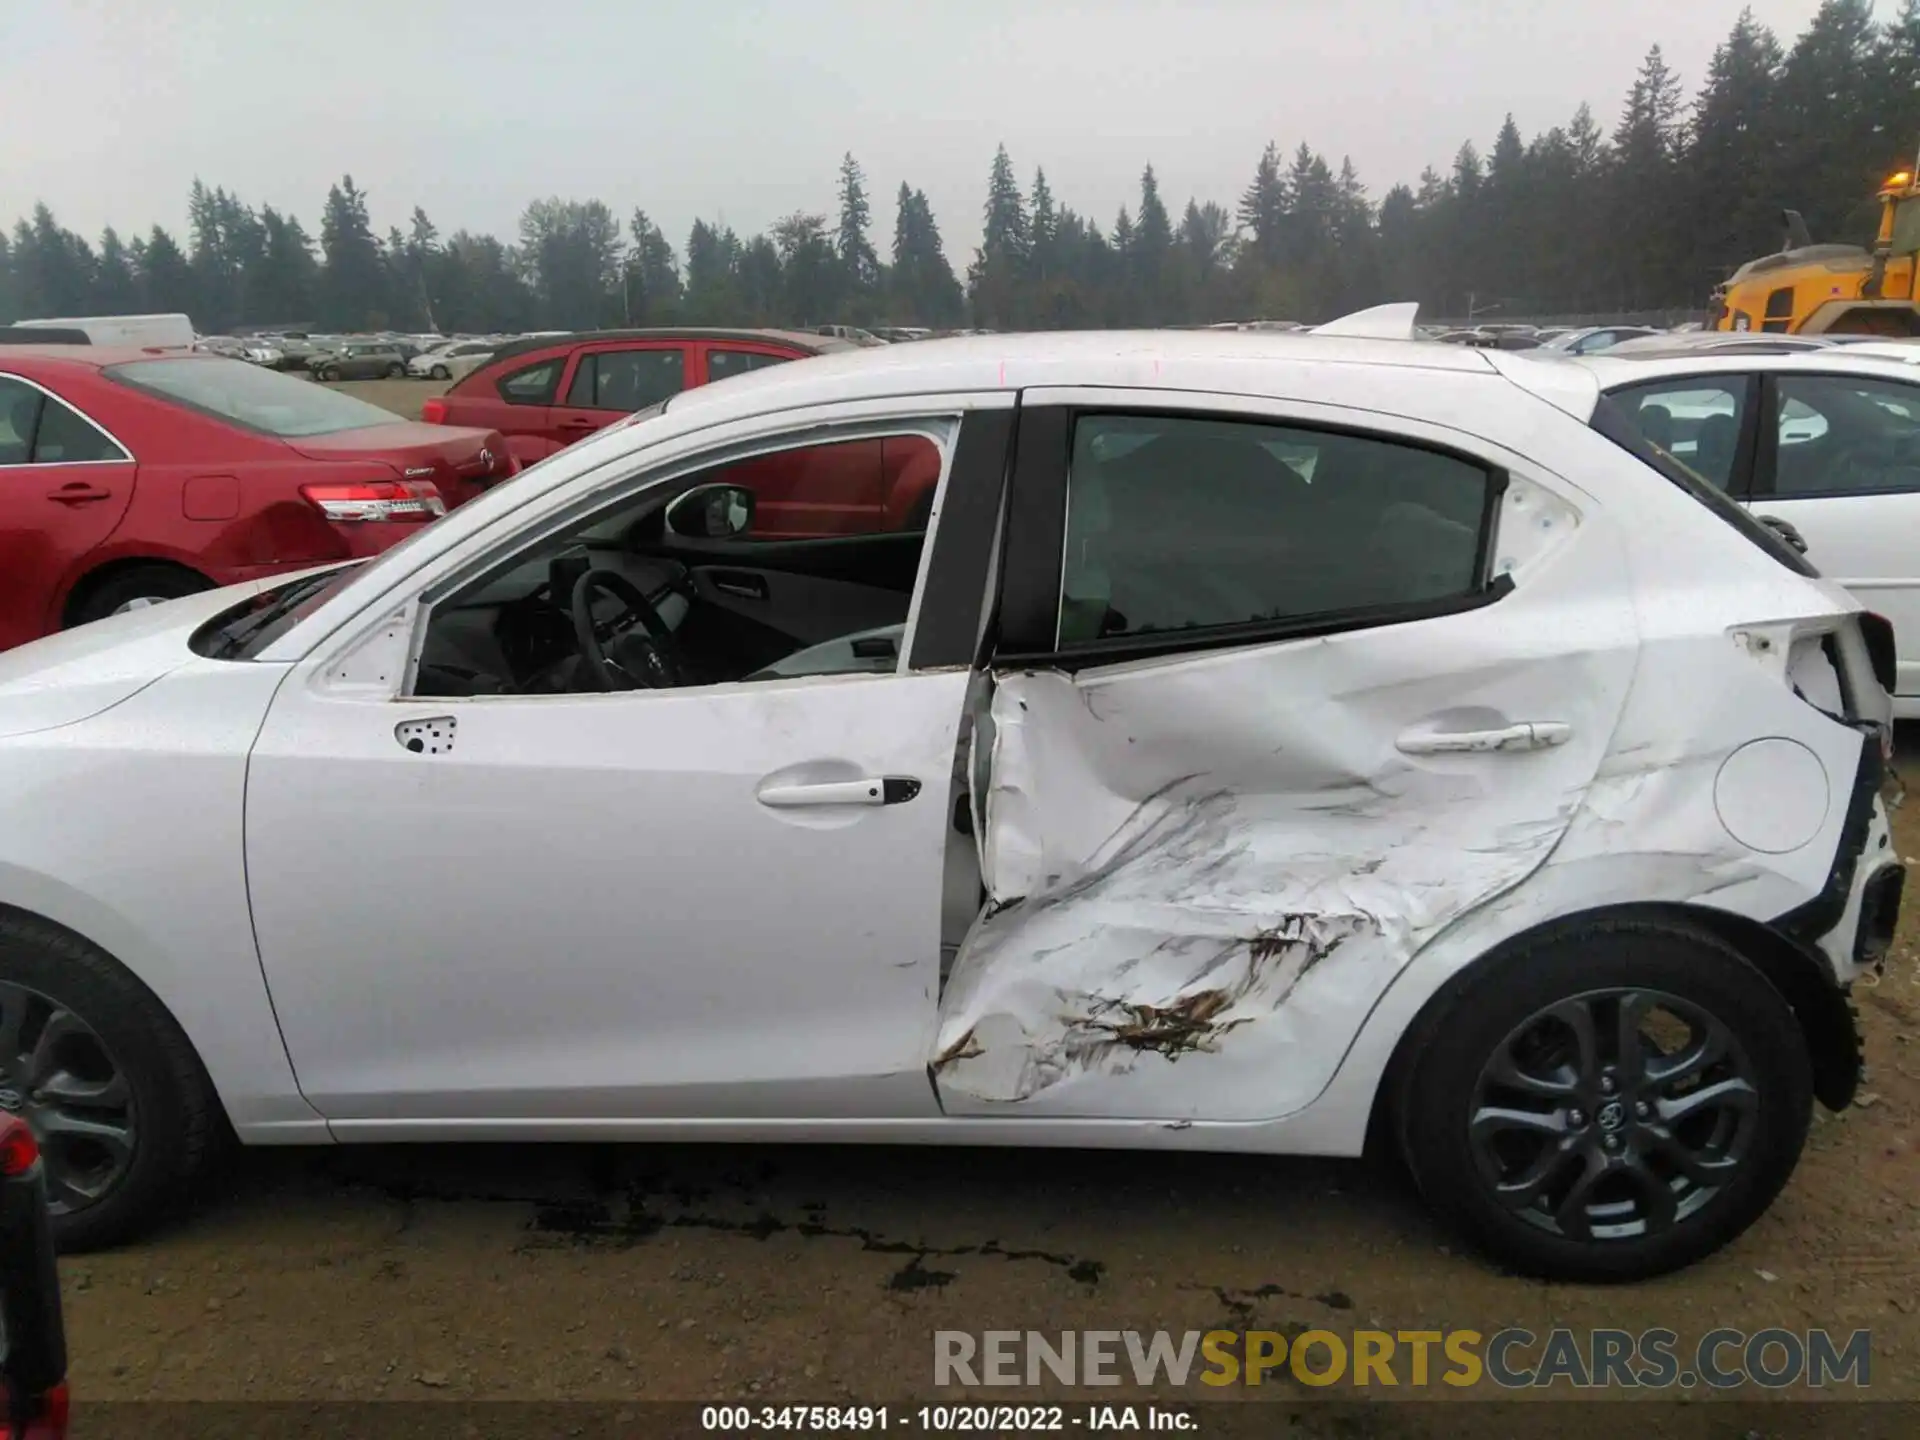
pixel 1574 220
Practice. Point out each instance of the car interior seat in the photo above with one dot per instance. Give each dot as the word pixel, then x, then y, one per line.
pixel 1656 423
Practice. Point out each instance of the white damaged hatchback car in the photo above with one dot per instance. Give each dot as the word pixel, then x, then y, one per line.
pixel 1270 741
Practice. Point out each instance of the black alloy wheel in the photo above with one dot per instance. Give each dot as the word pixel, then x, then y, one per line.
pixel 102 1073
pixel 58 1075
pixel 1614 1113
pixel 1609 1099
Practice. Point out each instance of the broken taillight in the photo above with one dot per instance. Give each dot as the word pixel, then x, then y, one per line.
pixel 376 500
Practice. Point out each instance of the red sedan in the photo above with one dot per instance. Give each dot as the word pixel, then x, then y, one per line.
pixel 546 392
pixel 134 476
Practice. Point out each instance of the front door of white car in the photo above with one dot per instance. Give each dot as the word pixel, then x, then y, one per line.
pixel 716 901
pixel 1283 690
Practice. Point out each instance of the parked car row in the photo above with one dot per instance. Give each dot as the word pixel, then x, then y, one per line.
pixel 352 357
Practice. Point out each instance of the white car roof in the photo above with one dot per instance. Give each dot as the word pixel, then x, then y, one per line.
pixel 1224 360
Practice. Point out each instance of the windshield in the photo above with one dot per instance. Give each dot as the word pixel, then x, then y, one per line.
pixel 261 400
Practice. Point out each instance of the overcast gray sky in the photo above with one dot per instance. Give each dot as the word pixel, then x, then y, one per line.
pixel 741 109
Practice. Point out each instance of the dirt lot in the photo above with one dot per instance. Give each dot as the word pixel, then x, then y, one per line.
pixel 403 397
pixel 702 1273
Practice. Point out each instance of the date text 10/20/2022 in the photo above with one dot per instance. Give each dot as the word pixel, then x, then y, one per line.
pixel 938 1419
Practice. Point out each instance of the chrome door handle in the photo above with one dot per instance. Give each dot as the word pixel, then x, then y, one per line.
pixel 874 790
pixel 1527 735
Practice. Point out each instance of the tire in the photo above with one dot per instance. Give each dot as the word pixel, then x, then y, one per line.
pixel 440 372
pixel 396 372
pixel 1664 1209
pixel 126 589
pixel 172 1117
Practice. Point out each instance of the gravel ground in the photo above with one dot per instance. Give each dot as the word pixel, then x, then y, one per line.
pixel 403 397
pixel 703 1273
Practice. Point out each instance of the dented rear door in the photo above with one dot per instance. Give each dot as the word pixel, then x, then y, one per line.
pixel 1281 691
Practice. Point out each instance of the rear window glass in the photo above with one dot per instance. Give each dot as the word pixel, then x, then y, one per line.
pixel 246 395
pixel 1616 425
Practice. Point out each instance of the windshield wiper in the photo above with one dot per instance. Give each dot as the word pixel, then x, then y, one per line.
pixel 234 635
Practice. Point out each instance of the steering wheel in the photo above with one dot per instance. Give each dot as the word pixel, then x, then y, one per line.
pixel 615 657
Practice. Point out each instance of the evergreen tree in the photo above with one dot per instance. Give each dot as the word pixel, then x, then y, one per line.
pixel 712 293
pixel 1729 162
pixel 354 281
pixel 757 265
pixel 1898 71
pixel 813 284
pixel 994 278
pixel 859 264
pixel 1150 251
pixel 654 292
pixel 1043 226
pixel 166 279
pixel 1264 205
pixel 483 290
pixel 418 268
pixel 286 286
pixel 1834 142
pixel 116 290
pixel 572 251
pixel 53 268
pixel 925 291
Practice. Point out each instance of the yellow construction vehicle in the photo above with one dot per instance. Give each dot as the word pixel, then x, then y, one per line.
pixel 1833 289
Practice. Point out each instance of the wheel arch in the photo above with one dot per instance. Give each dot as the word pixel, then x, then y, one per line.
pixel 1800 975
pixel 21 915
pixel 88 584
pixel 233 1034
